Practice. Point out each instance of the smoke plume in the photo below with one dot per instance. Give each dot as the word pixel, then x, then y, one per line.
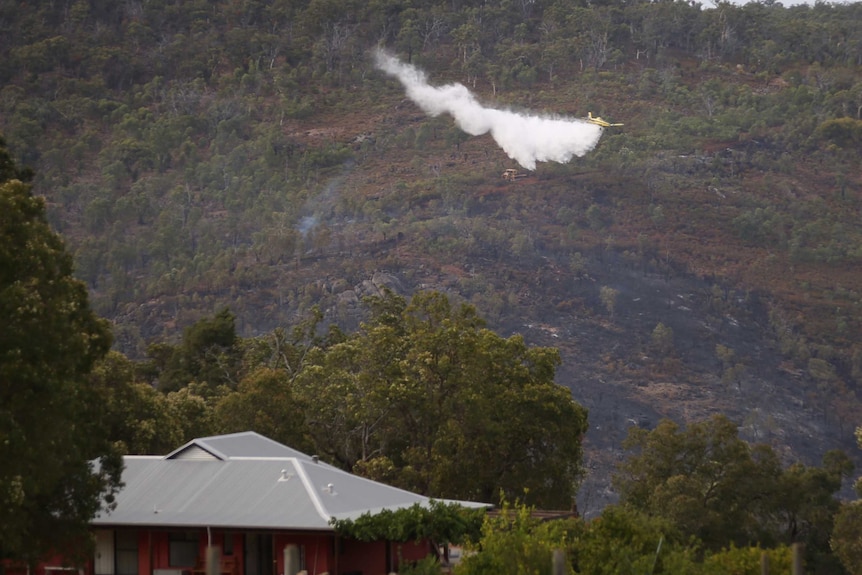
pixel 525 138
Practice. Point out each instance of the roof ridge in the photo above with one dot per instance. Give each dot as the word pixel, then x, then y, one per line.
pixel 262 457
pixel 309 488
pixel 221 446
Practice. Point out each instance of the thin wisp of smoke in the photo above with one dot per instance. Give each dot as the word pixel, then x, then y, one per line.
pixel 525 138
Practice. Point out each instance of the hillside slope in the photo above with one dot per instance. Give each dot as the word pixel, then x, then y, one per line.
pixel 702 258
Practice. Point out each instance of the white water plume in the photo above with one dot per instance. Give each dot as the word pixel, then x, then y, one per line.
pixel 525 138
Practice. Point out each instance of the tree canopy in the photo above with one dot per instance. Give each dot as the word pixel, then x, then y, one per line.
pixel 424 397
pixel 519 540
pixel 847 534
pixel 51 418
pixel 207 355
pixel 723 490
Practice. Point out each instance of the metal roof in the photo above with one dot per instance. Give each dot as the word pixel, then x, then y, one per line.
pixel 246 480
pixel 244 444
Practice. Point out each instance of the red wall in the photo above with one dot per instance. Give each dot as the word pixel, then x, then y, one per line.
pixel 358 556
pixel 412 551
pixel 144 552
pixel 320 554
pixel 370 558
pixel 43 568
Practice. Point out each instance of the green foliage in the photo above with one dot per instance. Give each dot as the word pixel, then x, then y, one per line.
pixel 8 169
pixel 762 226
pixel 439 522
pixel 661 339
pixel 597 217
pixel 694 478
pixel 429 565
pixel 140 417
pixel 722 490
pixel 747 561
pixel 608 295
pixel 262 401
pixel 514 542
pixel 804 507
pixel 623 540
pixel 439 405
pixel 209 355
pixel 51 415
pixel 841 132
pixel 847 537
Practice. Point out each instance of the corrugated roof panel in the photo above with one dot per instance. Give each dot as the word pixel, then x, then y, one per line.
pixel 340 492
pixel 250 493
pixel 248 444
pixel 244 493
pixel 245 484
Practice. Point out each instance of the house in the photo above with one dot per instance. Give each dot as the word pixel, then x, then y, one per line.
pixel 263 507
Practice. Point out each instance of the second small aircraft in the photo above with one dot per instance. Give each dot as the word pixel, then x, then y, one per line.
pixel 598 121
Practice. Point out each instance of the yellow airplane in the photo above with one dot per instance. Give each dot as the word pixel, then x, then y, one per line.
pixel 598 121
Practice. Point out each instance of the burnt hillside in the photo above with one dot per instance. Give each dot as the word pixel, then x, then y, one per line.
pixel 702 258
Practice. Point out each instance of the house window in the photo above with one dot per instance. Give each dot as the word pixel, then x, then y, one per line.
pixel 183 549
pixel 228 543
pixel 126 552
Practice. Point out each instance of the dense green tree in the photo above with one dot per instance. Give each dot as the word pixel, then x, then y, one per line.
pixel 139 416
pixel 51 420
pixel 719 488
pixel 842 132
pixel 515 542
pixel 191 408
pixel 706 479
pixel 8 169
pixel 352 386
pixel 425 397
pixel 846 538
pixel 804 506
pixel 623 540
pixel 749 561
pixel 264 401
pixel 209 355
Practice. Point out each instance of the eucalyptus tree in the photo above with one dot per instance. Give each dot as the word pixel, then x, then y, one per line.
pixel 51 421
pixel 704 478
pixel 719 488
pixel 425 397
pixel 846 540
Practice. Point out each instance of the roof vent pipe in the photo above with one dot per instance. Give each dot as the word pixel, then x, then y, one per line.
pixel 315 459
